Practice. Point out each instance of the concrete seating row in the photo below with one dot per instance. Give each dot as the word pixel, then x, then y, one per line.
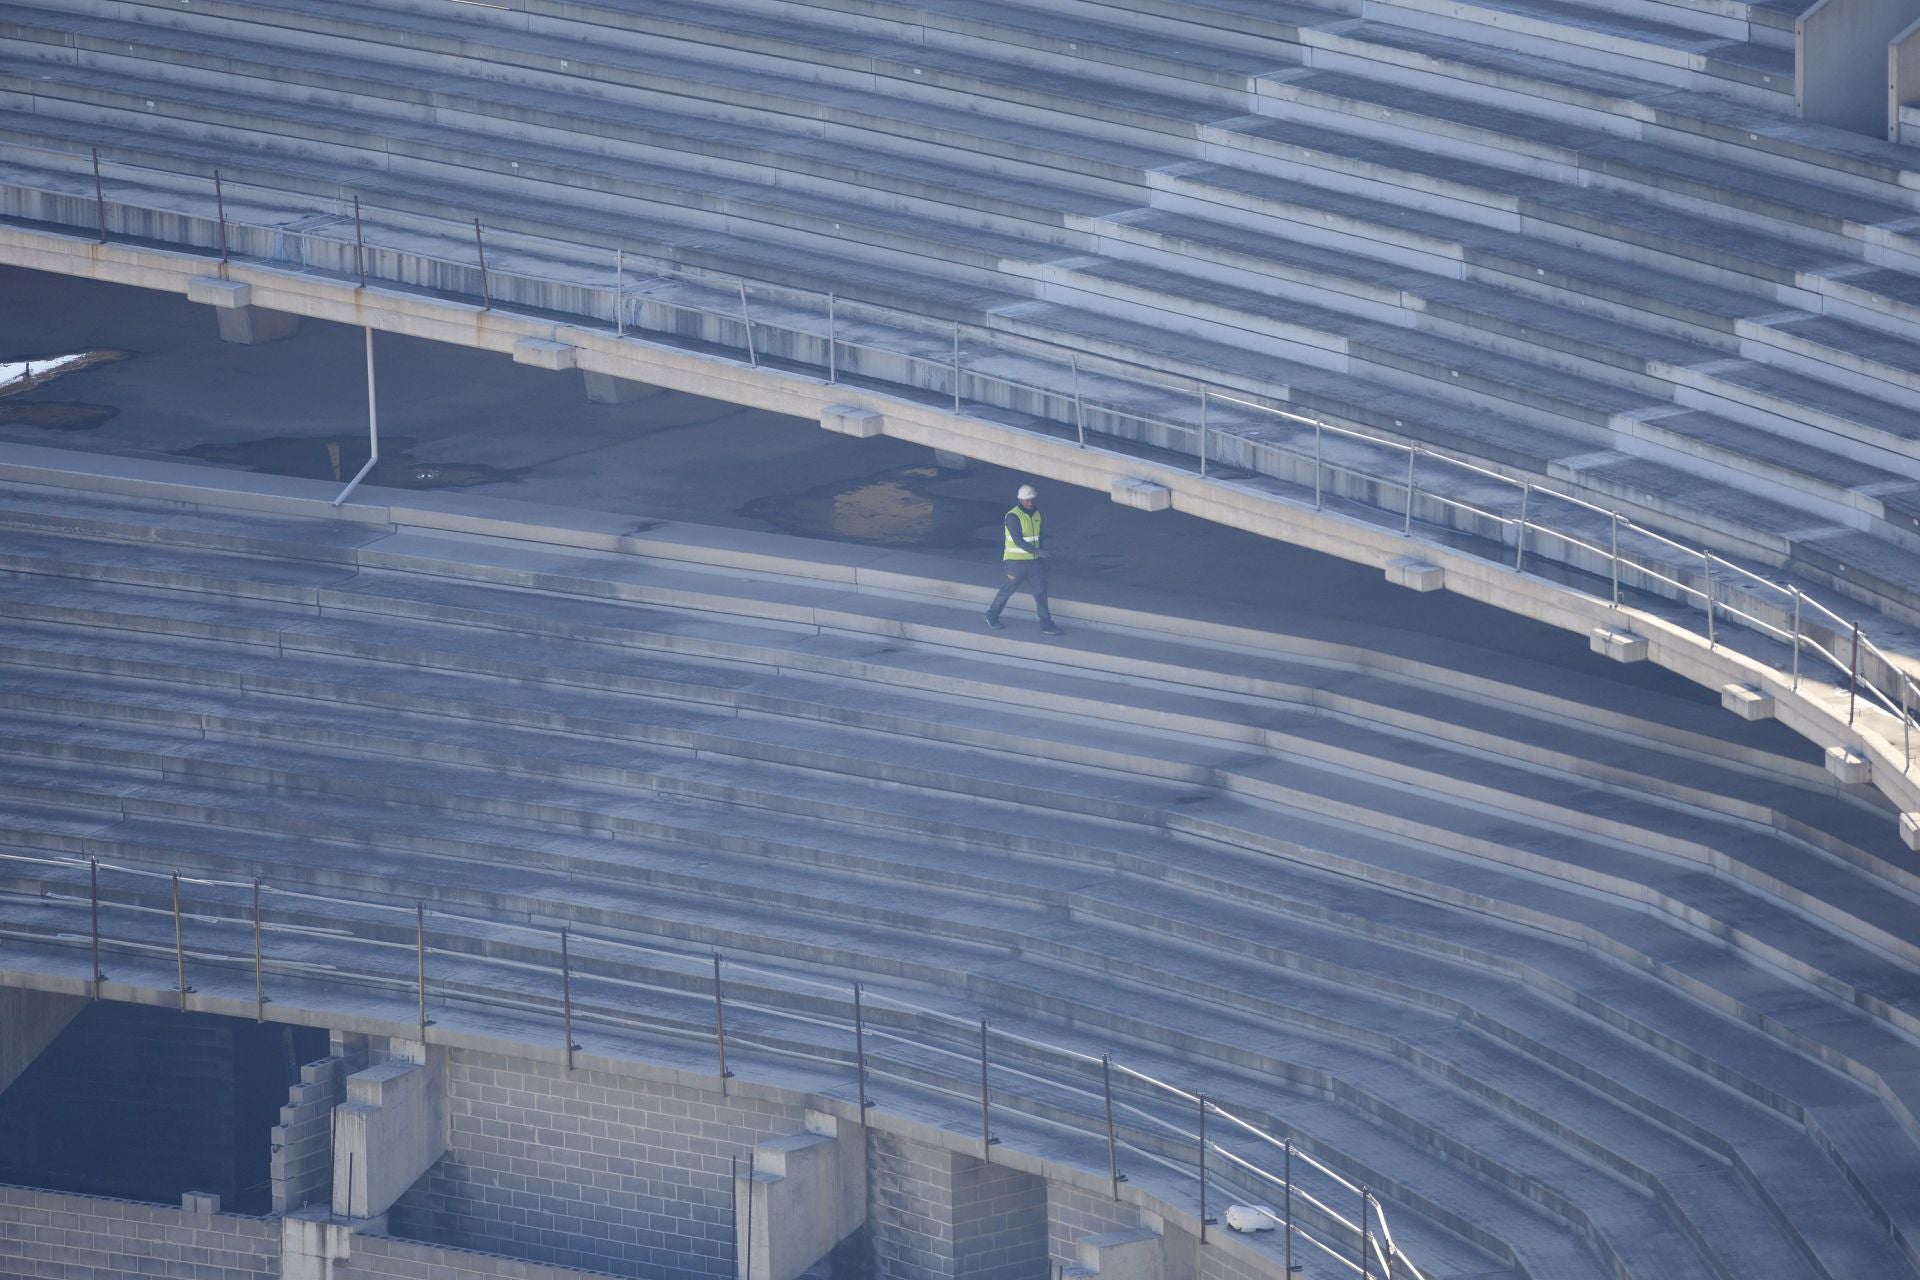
pixel 1599 301
pixel 1587 979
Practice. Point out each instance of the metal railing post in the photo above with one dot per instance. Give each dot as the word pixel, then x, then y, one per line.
pixel 1614 557
pixel 1706 593
pixel 1204 1219
pixel 259 971
pixel 1796 639
pixel 480 248
pixel 1287 1225
pixel 746 323
pixel 956 366
pixel 1906 726
pixel 220 213
pixel 619 293
pixel 747 1272
pixel 833 340
pixel 1853 676
pixel 860 1050
pixel 179 944
pixel 420 963
pixel 987 1140
pixel 720 1025
pixel 1520 540
pixel 359 244
pixel 1113 1148
pixel 566 997
pixel 99 196
pixel 1316 466
pixel 1366 1200
pixel 1203 433
pixel 93 895
pixel 1406 529
pixel 1079 405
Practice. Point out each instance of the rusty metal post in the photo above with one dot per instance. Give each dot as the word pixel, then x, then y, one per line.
pixel 1317 500
pixel 987 1140
pixel 1366 1205
pixel 94 900
pixel 619 293
pixel 1203 433
pixel 746 323
pixel 1520 541
pixel 1113 1147
pixel 179 944
pixel 720 1025
pixel 486 293
pixel 1853 676
pixel 99 196
pixel 1614 556
pixel 220 211
pixel 1406 529
pixel 259 974
pixel 1079 404
pixel 1204 1219
pixel 956 366
pixel 420 958
pixel 1288 1223
pixel 833 340
pixel 1706 593
pixel 359 245
pixel 566 997
pixel 860 1050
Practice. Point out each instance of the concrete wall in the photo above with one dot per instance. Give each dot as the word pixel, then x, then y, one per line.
pixel 29 1021
pixel 587 1169
pixel 46 1235
pixel 1840 48
pixel 1073 1214
pixel 937 1213
pixel 1903 77
pixel 387 1258
pixel 302 1143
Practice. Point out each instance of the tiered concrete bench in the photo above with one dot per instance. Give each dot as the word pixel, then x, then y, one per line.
pixel 1572 260
pixel 1587 980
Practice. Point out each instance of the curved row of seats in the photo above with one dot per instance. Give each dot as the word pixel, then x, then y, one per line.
pixel 1582 246
pixel 1585 979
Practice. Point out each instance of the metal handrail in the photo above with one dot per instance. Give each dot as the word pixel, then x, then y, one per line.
pixel 1901 701
pixel 518 997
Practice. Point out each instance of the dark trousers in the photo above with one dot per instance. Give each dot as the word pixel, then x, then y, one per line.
pixel 1031 574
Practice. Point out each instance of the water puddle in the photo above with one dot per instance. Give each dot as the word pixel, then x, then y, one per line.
pixel 339 458
pixel 897 508
pixel 29 373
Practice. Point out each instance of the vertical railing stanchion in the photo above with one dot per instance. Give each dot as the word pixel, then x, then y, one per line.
pixel 220 214
pixel 1316 466
pixel 1853 676
pixel 1706 593
pixel 1906 726
pixel 99 196
pixel 1406 529
pixel 420 963
pixel 987 1140
pixel 1614 558
pixel 720 1025
pixel 860 1051
pixel 1079 404
pixel 259 968
pixel 733 1211
pixel 1113 1147
pixel 619 293
pixel 566 996
pixel 833 340
pixel 1204 1219
pixel 179 944
pixel 1203 433
pixel 359 245
pixel 747 1272
pixel 1520 539
pixel 1796 638
pixel 746 325
pixel 956 366
pixel 93 898
pixel 1366 1200
pixel 480 248
pixel 1287 1224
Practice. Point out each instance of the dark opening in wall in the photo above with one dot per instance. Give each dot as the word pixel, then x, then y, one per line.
pixel 147 1103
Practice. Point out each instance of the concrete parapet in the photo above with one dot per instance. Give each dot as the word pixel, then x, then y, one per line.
pixel 390 1130
pixel 1910 831
pixel 802 1194
pixel 1849 766
pixel 1143 495
pixel 1621 646
pixel 851 420
pixel 1415 574
pixel 1747 702
pixel 544 353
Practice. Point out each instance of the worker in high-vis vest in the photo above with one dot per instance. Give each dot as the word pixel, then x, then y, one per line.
pixel 1024 560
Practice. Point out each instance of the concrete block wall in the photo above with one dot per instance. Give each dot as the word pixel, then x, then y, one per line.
pixel 999 1222
pixel 49 1234
pixel 586 1169
pixel 937 1213
pixel 1074 1214
pixel 302 1151
pixel 390 1258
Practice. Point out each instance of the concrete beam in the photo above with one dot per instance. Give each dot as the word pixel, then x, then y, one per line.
pixel 1620 645
pixel 1415 574
pixel 852 420
pixel 1142 495
pixel 1746 701
pixel 1849 766
pixel 1910 831
pixel 545 353
pixel 241 321
pixel 390 1130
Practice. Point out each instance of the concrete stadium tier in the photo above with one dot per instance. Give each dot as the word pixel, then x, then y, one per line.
pixel 1583 979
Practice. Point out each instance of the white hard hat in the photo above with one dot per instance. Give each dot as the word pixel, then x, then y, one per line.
pixel 1026 491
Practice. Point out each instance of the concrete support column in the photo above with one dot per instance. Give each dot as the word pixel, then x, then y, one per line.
pixel 30 1020
pixel 940 1213
pixel 390 1130
pixel 313 1246
pixel 802 1195
pixel 241 321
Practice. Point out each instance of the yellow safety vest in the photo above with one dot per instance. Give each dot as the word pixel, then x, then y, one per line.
pixel 1029 529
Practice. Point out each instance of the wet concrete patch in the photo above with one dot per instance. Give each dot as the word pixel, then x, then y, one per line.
pixel 902 507
pixel 339 458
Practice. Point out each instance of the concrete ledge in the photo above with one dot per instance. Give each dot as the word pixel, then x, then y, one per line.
pixel 216 292
pixel 1142 495
pixel 1415 574
pixel 1746 701
pixel 1849 767
pixel 851 420
pixel 544 353
pixel 1621 646
pixel 1910 831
